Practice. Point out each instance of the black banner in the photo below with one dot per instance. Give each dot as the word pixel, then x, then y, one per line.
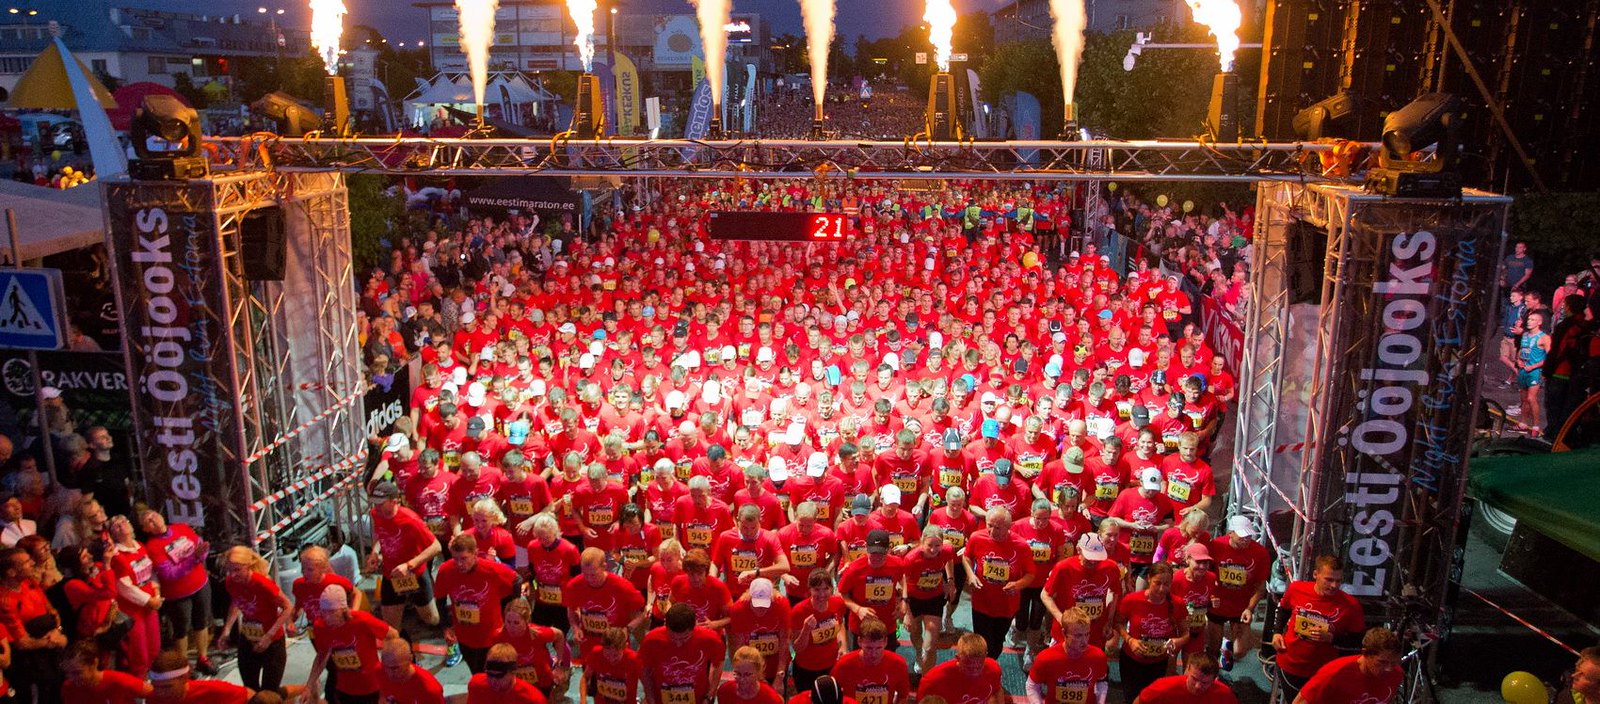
pixel 93 385
pixel 165 246
pixel 384 405
pixel 1415 300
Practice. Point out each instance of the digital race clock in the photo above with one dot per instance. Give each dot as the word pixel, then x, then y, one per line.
pixel 779 227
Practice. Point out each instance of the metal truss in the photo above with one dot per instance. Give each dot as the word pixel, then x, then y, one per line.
pixel 1012 160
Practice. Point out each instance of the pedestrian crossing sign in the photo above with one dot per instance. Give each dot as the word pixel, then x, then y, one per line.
pixel 31 303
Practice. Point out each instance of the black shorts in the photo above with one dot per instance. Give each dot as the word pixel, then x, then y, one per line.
pixel 419 597
pixel 189 614
pixel 1138 569
pixel 932 607
pixel 1214 618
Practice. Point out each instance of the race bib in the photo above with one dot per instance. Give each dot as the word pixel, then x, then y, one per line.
pixel 611 688
pixel 677 694
pixel 601 515
pixel 804 556
pixel 1030 467
pixel 855 552
pixel 996 570
pixel 1106 491
pixel 684 470
pixel 1093 606
pixel 1142 544
pixel 896 540
pixel 594 621
pixel 527 674
pixel 251 630
pixel 956 540
pixel 949 478
pixel 880 590
pixel 645 475
pixel 872 694
pixel 435 524
pixel 1232 575
pixel 743 561
pixel 634 556
pixel 467 613
pixel 1309 625
pixel 550 595
pixel 346 659
pixel 1072 692
pixel 906 485
pixel 1197 615
pixel 765 643
pixel 699 537
pixel 404 585
pixel 1150 647
pixel 826 631
pixel 452 459
pixel 930 580
pixel 180 548
pixel 521 506
pixel 1041 551
pixel 1178 490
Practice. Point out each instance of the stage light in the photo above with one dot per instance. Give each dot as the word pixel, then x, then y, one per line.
pixel 1431 120
pixel 1327 118
pixel 294 118
pixel 176 128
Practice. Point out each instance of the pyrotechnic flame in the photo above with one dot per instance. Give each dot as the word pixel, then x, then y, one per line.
pixel 1067 36
pixel 818 17
pixel 477 35
pixel 583 16
pixel 941 19
pixel 1223 18
pixel 714 16
pixel 327 24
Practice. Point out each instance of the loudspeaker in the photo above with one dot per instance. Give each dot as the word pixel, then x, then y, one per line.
pixel 262 246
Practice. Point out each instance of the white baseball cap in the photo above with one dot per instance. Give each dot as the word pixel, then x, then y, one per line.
pixel 1091 547
pixel 777 469
pixel 889 494
pixel 1150 478
pixel 1242 527
pixel 586 361
pixel 761 592
pixel 729 353
pixel 397 442
pixel 536 387
pixel 765 355
pixel 477 394
pixel 817 464
pixel 676 399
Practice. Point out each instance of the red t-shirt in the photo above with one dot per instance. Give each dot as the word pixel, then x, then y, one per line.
pixel 611 605
pixel 957 528
pixel 821 650
pixel 552 566
pixel 1067 679
pixel 114 688
pixel 599 508
pixel 1150 625
pixel 1341 681
pixel 614 682
pixel 420 688
pixel 215 692
pixel 1175 690
pixel 1046 543
pixel 1310 612
pixel 1240 573
pixel 258 603
pixel 1187 482
pixel 681 673
pixel 887 682
pixel 480 692
pixel 806 550
pixel 352 649
pixel 308 595
pixel 475 598
pixel 764 632
pixel 1133 506
pixel 699 527
pixel 877 588
pixel 735 554
pixel 925 578
pixel 179 547
pixel 710 601
pixel 949 681
pixel 995 563
pixel 728 693
pixel 400 538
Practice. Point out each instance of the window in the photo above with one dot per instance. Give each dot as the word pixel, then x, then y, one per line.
pixel 1122 22
pixel 15 64
pixel 158 66
pixel 99 67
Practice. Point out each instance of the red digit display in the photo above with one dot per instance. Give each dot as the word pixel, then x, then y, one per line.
pixel 779 227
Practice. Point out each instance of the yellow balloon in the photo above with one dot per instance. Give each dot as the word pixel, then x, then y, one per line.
pixel 1161 200
pixel 1188 206
pixel 1523 688
pixel 1030 260
pixel 1112 186
pixel 55 155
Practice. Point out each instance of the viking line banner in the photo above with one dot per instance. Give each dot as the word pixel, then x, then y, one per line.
pixel 164 243
pixel 1222 333
pixel 1417 289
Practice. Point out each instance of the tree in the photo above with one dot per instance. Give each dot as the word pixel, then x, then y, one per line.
pixel 378 220
pixel 301 76
pixel 183 85
pixel 1028 66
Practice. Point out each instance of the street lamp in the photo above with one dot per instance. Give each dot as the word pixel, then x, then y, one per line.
pixel 278 41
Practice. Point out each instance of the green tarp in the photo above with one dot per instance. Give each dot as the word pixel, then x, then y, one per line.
pixel 1556 494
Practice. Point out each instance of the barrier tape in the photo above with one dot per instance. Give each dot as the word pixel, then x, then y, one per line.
pixel 306 508
pixel 318 386
pixel 1292 447
pixel 1520 620
pixel 301 484
pixel 292 434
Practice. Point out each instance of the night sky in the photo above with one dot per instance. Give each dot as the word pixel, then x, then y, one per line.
pixel 400 21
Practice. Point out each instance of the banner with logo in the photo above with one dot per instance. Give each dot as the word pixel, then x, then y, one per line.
pixel 1399 353
pixel 627 82
pixel 384 405
pixel 1027 119
pixel 93 386
pixel 700 109
pixel 1223 333
pixel 166 254
pixel 697 70
pixel 677 42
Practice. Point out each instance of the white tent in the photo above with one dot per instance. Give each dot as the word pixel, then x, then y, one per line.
pixel 511 90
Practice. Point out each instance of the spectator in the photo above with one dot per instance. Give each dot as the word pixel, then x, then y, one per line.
pixel 1517 269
